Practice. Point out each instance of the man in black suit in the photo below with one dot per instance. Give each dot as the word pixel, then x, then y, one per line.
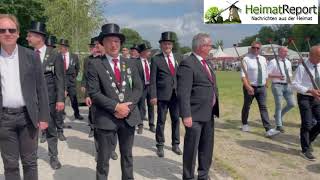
pixel 24 104
pixel 143 67
pixel 54 74
pixel 115 88
pixel 51 41
pixel 94 54
pixel 72 67
pixel 198 103
pixel 134 51
pixel 163 84
pixel 97 51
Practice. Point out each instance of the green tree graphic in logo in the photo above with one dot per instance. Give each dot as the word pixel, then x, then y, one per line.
pixel 213 15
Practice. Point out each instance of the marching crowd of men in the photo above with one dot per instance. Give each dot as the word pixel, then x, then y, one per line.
pixel 117 88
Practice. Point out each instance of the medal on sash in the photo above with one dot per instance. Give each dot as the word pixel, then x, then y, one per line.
pixel 123 83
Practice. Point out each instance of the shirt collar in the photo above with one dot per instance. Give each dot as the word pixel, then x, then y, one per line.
pixel 43 49
pixel 3 53
pixel 197 56
pixel 110 58
pixel 165 55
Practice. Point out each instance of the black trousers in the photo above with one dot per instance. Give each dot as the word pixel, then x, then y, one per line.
pixel 198 139
pixel 163 107
pixel 142 106
pixel 106 143
pixel 260 94
pixel 309 108
pixel 51 132
pixel 19 139
pixel 72 93
pixel 90 119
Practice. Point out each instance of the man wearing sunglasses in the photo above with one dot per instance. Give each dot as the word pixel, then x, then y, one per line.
pixel 24 105
pixel 52 64
pixel 254 86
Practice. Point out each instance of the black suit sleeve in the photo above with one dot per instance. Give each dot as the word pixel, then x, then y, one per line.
pixel 94 90
pixel 153 78
pixel 185 79
pixel 60 77
pixel 42 91
pixel 85 69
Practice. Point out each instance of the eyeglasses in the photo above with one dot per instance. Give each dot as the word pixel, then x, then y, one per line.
pixel 255 48
pixel 11 31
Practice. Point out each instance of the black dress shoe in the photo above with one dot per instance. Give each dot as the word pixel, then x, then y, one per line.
pixel 140 129
pixel 61 136
pixel 79 117
pixel 43 137
pixel 160 152
pixel 152 129
pixel 114 155
pixel 55 163
pixel 176 149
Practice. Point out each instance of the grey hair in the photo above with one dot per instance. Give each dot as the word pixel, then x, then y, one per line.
pixel 199 39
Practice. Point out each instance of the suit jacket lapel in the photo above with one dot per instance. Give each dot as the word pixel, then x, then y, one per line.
pixel 46 57
pixel 164 63
pixel 123 67
pixel 202 69
pixel 140 68
pixel 107 66
pixel 23 64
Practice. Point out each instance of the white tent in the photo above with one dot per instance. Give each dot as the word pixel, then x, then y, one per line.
pixel 220 54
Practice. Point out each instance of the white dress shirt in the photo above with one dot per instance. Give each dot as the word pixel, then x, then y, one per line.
pixel 67 54
pixel 274 70
pixel 42 52
pixel 251 65
pixel 111 62
pixel 302 82
pixel 10 79
pixel 171 58
pixel 144 69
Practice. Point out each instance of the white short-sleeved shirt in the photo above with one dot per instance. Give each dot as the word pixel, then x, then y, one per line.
pixel 251 65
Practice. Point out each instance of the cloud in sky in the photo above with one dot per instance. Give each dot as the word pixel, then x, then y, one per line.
pixel 186 21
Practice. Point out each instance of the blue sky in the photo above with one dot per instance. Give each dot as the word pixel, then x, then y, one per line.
pixel 185 17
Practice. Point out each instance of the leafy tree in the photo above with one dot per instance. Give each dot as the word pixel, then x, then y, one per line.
pixel 219 43
pixel 132 37
pixel 185 49
pixel 25 11
pixel 176 44
pixel 75 20
pixel 265 33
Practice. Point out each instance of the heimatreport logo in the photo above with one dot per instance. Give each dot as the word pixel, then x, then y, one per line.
pixel 261 11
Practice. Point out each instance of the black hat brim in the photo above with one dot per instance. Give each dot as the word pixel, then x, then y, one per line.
pixel 67 45
pixel 38 32
pixel 161 40
pixel 140 51
pixel 120 36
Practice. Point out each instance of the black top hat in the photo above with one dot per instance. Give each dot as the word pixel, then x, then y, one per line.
pixel 38 27
pixel 167 36
pixel 144 46
pixel 111 30
pixel 94 39
pixel 135 46
pixel 51 41
pixel 64 42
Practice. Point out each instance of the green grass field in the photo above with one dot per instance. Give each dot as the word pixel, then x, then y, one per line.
pixel 251 155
